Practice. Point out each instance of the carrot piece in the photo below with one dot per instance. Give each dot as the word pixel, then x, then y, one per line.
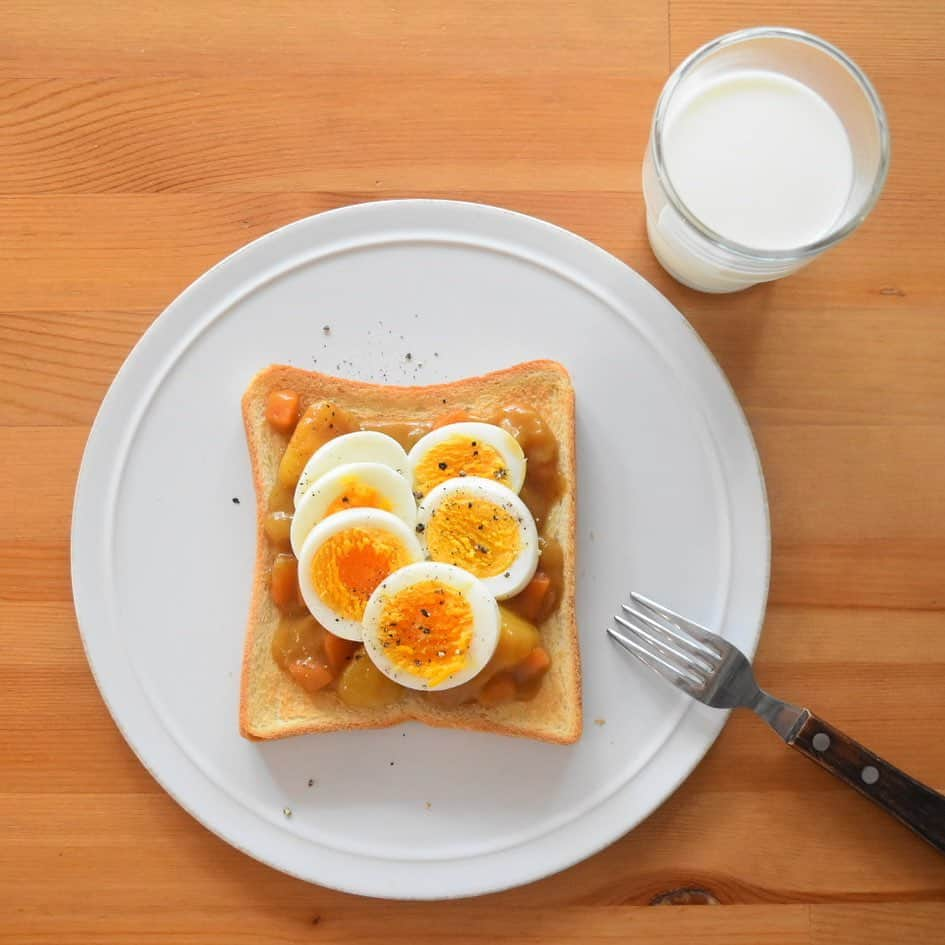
pixel 338 652
pixel 498 690
pixel 451 416
pixel 282 410
pixel 284 583
pixel 532 601
pixel 311 676
pixel 534 665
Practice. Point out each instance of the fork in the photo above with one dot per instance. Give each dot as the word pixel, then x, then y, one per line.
pixel 713 671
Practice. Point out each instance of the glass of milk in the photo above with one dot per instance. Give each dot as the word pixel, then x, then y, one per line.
pixel 768 146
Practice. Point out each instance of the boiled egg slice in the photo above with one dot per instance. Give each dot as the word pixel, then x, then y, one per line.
pixel 483 527
pixel 345 557
pixel 352 486
pixel 467 449
pixel 363 446
pixel 431 626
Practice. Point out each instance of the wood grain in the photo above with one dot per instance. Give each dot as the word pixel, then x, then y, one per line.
pixel 892 38
pixel 241 134
pixel 140 143
pixel 44 38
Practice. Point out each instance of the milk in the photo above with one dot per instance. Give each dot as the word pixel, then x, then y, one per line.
pixel 759 158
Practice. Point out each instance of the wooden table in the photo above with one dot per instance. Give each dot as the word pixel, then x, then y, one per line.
pixel 140 143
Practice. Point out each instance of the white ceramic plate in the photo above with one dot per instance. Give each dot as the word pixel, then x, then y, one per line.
pixel 671 502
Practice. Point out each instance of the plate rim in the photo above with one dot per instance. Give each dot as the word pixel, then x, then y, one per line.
pixel 705 724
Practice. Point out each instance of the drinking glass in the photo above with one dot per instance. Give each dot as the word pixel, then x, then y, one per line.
pixel 687 247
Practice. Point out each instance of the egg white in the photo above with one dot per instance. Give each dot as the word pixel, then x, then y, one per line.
pixel 311 509
pixel 485 612
pixel 500 440
pixel 362 446
pixel 522 570
pixel 338 624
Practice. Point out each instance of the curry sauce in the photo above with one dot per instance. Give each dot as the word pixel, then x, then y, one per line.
pixel 317 659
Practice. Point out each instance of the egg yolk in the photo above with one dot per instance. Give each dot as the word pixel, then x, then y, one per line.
pixel 458 456
pixel 351 563
pixel 426 630
pixel 474 534
pixel 357 495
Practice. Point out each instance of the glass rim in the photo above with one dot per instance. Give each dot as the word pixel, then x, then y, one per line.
pixel 770 32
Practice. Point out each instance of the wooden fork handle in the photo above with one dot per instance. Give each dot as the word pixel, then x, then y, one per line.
pixel 919 807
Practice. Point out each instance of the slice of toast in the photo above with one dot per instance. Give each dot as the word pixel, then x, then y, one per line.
pixel 272 705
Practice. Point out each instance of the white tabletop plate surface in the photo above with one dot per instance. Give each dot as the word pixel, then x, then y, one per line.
pixel 671 502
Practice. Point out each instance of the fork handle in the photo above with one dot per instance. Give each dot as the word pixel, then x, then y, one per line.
pixel 919 807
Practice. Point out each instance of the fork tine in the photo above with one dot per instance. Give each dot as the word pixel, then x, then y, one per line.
pixel 705 637
pixel 687 658
pixel 674 674
pixel 694 648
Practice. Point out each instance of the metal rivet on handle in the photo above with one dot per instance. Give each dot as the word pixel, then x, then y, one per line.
pixel 821 741
pixel 869 775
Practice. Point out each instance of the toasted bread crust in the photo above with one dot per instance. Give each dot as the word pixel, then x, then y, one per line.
pixel 271 704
